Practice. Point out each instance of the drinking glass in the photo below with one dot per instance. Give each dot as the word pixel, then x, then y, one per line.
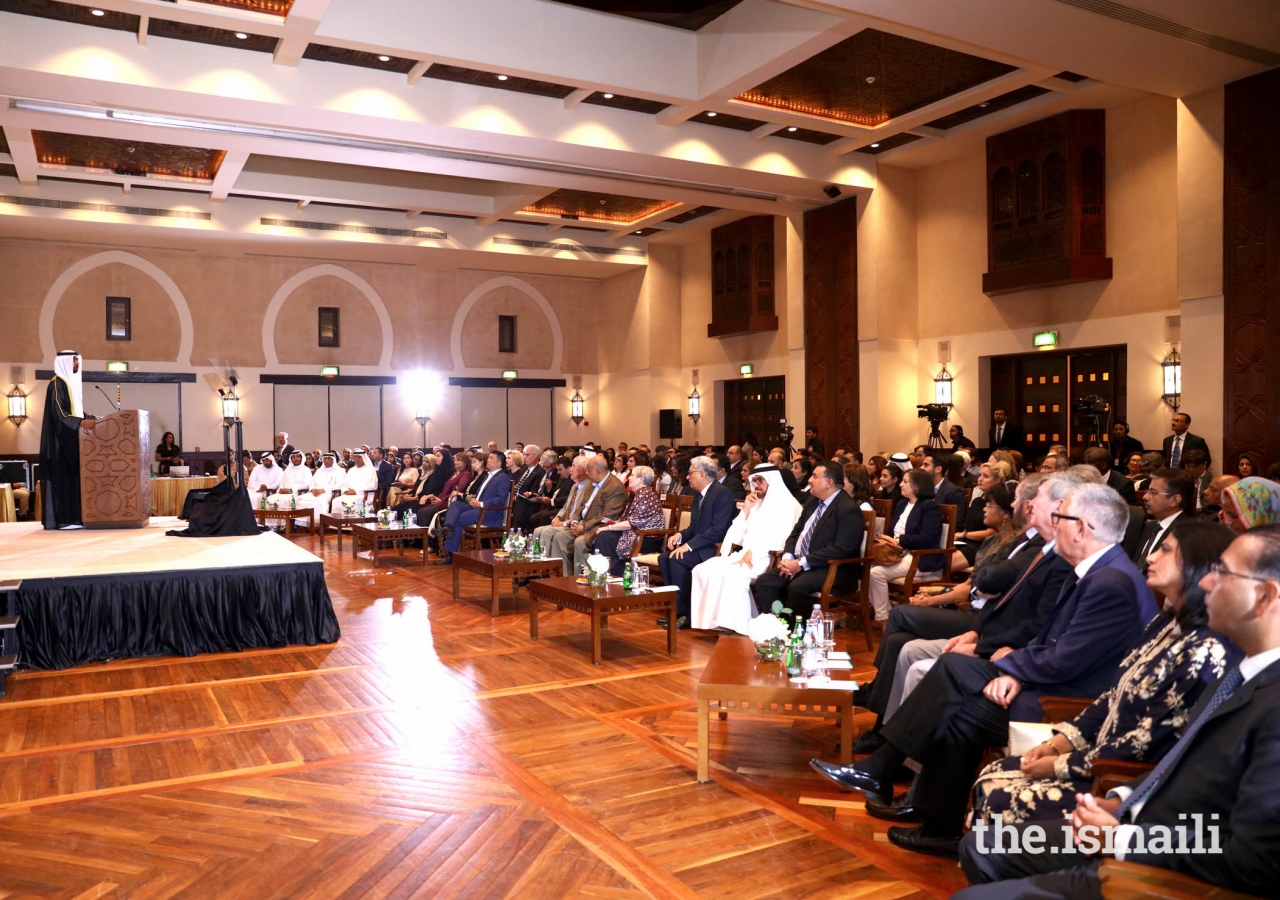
pixel 640 578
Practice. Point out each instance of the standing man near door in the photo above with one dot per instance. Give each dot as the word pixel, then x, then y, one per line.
pixel 1005 435
pixel 1182 440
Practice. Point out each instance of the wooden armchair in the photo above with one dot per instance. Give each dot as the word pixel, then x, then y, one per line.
pixel 474 536
pixel 677 506
pixel 858 600
pixel 902 589
pixel 884 511
pixel 1107 773
pixel 1129 881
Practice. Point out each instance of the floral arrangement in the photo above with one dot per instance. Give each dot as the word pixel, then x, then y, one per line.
pixel 767 627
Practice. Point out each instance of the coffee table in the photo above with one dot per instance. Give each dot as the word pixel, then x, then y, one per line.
pixel 376 536
pixel 288 515
pixel 328 521
pixel 484 563
pixel 736 678
pixel 599 603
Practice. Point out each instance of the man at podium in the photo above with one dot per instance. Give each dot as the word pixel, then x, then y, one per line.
pixel 60 443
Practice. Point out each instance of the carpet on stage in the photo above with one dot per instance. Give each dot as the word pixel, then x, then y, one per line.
pixel 89 596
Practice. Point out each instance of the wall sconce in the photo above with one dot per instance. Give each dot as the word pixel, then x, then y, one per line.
pixel 942 387
pixel 1172 368
pixel 17 406
pixel 695 405
pixel 230 407
pixel 576 407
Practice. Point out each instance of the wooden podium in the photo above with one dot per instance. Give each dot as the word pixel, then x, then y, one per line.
pixel 115 471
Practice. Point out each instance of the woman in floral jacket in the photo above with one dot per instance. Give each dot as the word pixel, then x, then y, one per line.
pixel 1147 708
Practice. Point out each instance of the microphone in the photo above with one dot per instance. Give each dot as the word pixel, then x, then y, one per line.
pixel 114 405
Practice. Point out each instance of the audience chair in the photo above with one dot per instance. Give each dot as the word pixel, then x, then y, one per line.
pixel 474 536
pixel 1129 881
pixel 679 509
pixel 884 511
pixel 902 589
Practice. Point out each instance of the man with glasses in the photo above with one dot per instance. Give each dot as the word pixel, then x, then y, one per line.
pixel 1222 771
pixel 964 705
pixel 1171 494
pixel 1053 463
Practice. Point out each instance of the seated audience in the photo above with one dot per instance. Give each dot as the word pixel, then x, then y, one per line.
pixel 945 470
pixel 731 479
pixel 1196 464
pixel 890 484
pixel 1100 459
pixel 1221 771
pixel 295 487
pixel 1251 503
pixel 328 479
pixel 553 494
pixel 574 485
pixel 721 591
pixel 619 468
pixel 406 481
pixel 916 525
pixel 644 513
pixel 1133 468
pixel 1145 710
pixel 875 465
pixel 802 469
pixel 1168 497
pixel 713 511
pixel 493 489
pixel 1246 466
pixel 21 498
pixel 858 486
pixel 1052 463
pixel 539 473
pixel 265 478
pixel 1152 462
pixel 958 440
pixel 358 486
pixel 1211 498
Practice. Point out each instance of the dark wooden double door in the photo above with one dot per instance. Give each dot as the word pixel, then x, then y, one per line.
pixel 754 409
pixel 1039 391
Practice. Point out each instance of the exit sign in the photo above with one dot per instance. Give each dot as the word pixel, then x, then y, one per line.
pixel 329 371
pixel 510 374
pixel 745 370
pixel 117 367
pixel 1045 339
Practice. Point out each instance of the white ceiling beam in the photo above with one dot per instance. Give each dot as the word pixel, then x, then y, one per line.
pixel 228 172
pixel 621 231
pixel 413 213
pixel 22 149
pixel 674 115
pixel 300 27
pixel 143 23
pixel 304 202
pixel 507 205
pixel 577 97
pixel 925 131
pixel 419 69
pixel 765 130
pixel 126 187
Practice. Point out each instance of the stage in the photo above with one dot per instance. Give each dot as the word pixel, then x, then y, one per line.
pixel 92 595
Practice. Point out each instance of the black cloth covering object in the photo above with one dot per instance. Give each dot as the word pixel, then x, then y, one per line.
pixel 72 621
pixel 224 511
pixel 60 458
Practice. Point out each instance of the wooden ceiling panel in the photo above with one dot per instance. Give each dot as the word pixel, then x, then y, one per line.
pixel 987 107
pixel 690 214
pixel 687 14
pixel 725 120
pixel 4 145
pixel 347 57
pixel 598 207
pixel 6 169
pixel 126 157
pixel 70 12
pixel 808 135
pixel 889 143
pixel 631 104
pixel 272 7
pixel 501 82
pixel 203 34
pixel 873 77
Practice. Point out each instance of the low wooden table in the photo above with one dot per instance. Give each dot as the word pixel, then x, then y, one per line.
pixel 736 678
pixel 169 494
pixel 599 603
pixel 376 536
pixel 265 515
pixel 328 521
pixel 484 563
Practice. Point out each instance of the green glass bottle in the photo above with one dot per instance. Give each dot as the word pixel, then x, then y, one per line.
pixel 626 578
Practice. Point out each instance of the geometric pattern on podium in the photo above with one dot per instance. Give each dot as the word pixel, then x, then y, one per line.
pixel 115 465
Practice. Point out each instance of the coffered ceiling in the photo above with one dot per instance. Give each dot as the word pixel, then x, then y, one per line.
pixel 494 121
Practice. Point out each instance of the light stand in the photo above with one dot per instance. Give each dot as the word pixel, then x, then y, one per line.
pixel 231 418
pixel 422 423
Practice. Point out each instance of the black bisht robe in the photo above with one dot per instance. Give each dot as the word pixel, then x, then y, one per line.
pixel 60 458
pixel 223 511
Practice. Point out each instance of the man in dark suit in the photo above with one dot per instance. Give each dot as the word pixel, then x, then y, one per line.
pixel 939 465
pixel 1122 445
pixel 540 468
pixel 725 475
pixel 1169 496
pixel 1183 440
pixel 494 490
pixel 830 527
pixel 1221 772
pixel 712 514
pixel 965 704
pixel 1005 435
pixel 1196 464
pixel 735 462
pixel 1100 459
pixel 554 494
pixel 386 472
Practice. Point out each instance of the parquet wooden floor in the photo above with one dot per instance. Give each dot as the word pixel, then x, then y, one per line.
pixel 432 752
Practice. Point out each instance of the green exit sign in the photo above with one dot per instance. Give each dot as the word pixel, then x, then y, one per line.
pixel 745 370
pixel 117 367
pixel 328 371
pixel 1045 339
pixel 510 374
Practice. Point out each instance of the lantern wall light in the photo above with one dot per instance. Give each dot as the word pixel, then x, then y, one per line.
pixel 17 406
pixel 1171 366
pixel 942 383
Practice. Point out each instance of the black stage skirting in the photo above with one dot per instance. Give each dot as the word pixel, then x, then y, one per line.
pixel 71 621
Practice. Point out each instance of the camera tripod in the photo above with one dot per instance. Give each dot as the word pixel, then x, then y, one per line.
pixel 936 441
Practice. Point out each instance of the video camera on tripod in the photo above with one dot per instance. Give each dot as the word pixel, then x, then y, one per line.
pixel 1097 412
pixel 936 413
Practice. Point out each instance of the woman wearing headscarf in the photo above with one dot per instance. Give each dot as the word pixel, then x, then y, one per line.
pixel 722 585
pixel 1250 503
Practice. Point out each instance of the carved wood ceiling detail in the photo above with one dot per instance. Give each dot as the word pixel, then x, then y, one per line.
pixel 4 145
pixel 889 143
pixel 463 75
pixel 690 214
pixel 873 77
pixel 631 104
pixel 987 107
pixel 597 207
pixel 204 34
pixel 70 12
pixel 347 57
pixel 725 120
pixel 687 14
pixel 272 7
pixel 126 157
pixel 808 135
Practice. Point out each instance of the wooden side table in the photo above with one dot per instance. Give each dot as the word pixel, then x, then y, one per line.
pixel 328 521
pixel 598 603
pixel 495 568
pixel 288 515
pixel 376 536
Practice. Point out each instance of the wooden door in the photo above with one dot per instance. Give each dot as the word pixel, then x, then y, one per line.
pixel 754 408
pixel 1041 408
pixel 1096 373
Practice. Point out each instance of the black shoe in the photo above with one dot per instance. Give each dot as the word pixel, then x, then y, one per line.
pixel 900 809
pixel 868 742
pixel 855 780
pixel 446 560
pixel 682 623
pixel 914 839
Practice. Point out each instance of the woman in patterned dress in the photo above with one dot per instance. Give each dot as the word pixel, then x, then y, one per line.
pixel 1147 708
pixel 643 512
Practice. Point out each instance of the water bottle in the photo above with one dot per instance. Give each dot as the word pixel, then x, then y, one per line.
pixel 537 548
pixel 813 631
pixel 293 501
pixel 795 651
pixel 627 580
pixel 262 501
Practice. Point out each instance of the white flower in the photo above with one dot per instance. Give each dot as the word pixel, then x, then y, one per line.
pixel 598 563
pixel 767 627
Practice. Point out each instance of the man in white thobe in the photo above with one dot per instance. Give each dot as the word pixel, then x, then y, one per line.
pixel 330 479
pixel 265 479
pixel 361 477
pixel 295 486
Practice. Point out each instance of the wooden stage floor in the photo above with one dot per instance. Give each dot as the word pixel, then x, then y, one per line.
pixel 27 551
pixel 432 752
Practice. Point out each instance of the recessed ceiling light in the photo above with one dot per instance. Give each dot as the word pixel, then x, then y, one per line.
pixel 639 232
pixel 871 79
pixel 384 59
pixel 240 36
pixel 711 115
pixel 874 146
pixel 98 12
pixel 502 77
pixel 983 105
pixel 608 96
pixel 792 128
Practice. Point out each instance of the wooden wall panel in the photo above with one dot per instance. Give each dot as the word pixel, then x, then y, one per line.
pixel 831 323
pixel 1251 269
